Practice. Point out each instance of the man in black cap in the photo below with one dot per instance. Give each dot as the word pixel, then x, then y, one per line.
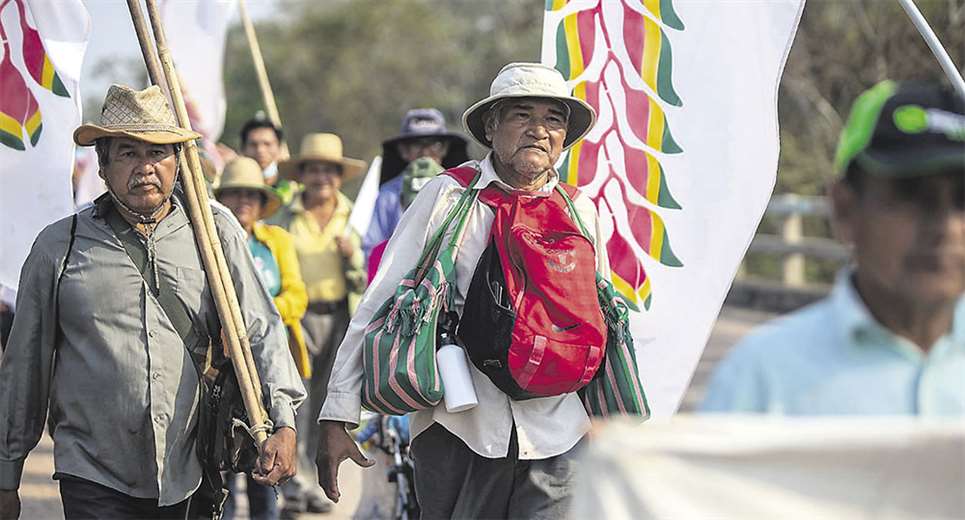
pixel 424 134
pixel 890 339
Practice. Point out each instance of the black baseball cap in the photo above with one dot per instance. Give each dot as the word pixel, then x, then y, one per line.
pixel 904 130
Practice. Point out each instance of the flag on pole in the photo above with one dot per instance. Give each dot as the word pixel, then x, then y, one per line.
pixel 683 157
pixel 196 31
pixel 364 205
pixel 43 46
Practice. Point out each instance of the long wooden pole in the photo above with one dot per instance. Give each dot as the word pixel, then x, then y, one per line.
pixel 201 190
pixel 267 96
pixel 219 277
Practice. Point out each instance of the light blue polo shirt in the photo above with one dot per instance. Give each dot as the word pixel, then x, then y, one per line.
pixel 833 358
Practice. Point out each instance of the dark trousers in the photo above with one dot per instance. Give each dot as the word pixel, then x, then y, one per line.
pixel 85 500
pixel 452 481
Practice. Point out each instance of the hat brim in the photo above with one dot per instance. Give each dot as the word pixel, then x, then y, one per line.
pixel 393 164
pixel 86 135
pixel 451 136
pixel 272 199
pixel 351 168
pixel 908 164
pixel 582 117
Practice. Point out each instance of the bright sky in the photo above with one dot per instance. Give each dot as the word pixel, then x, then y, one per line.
pixel 112 37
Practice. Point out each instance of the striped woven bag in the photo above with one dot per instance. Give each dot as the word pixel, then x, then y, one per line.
pixel 399 356
pixel 616 389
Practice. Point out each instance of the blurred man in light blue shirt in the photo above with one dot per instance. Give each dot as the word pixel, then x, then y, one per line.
pixel 890 339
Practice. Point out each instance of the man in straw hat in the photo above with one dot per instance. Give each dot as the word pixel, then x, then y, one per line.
pixel 503 458
pixel 114 324
pixel 244 192
pixel 424 135
pixel 331 262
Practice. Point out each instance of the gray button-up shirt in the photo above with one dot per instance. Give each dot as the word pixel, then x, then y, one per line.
pixel 122 387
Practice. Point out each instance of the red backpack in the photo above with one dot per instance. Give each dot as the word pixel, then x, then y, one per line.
pixel 532 320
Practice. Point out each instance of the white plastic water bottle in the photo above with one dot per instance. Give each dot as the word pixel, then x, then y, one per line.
pixel 459 392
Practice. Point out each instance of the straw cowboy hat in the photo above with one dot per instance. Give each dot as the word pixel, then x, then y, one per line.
pixel 530 80
pixel 138 114
pixel 321 147
pixel 245 174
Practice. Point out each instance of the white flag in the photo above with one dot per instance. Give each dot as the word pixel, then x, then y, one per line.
pixel 43 46
pixel 683 157
pixel 364 204
pixel 196 31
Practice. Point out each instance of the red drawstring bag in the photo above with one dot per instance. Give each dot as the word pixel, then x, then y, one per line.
pixel 532 320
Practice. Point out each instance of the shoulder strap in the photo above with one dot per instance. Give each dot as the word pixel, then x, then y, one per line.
pixel 464 175
pixel 60 276
pixel 569 204
pixel 164 293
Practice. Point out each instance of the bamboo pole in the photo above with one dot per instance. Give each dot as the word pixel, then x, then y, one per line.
pixel 154 73
pixel 194 162
pixel 267 96
pixel 202 221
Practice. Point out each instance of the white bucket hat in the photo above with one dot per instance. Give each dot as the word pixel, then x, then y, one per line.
pixel 530 80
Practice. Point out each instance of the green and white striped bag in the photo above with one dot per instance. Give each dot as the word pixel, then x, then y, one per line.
pixel 616 389
pixel 399 356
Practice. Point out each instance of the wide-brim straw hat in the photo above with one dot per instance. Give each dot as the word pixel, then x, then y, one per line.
pixel 138 114
pixel 530 80
pixel 325 148
pixel 244 173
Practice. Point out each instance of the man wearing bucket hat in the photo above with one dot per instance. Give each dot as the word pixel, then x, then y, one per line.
pixel 503 458
pixel 113 326
pixel 244 192
pixel 424 135
pixel 890 338
pixel 331 262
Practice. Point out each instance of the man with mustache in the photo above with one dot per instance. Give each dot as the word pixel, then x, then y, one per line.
pixel 505 458
pixel 890 339
pixel 115 326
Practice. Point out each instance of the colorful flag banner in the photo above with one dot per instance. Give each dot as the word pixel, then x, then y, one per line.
pixel 683 157
pixel 43 46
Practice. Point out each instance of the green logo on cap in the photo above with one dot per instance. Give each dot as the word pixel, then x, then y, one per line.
pixel 911 119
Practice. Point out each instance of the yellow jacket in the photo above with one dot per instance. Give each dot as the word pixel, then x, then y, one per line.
pixel 293 299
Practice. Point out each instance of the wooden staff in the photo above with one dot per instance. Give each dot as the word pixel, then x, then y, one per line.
pixel 202 221
pixel 267 96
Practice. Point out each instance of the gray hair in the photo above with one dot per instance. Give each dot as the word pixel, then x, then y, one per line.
pixel 495 112
pixel 103 148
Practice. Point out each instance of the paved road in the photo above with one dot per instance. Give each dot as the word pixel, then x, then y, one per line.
pixel 41 500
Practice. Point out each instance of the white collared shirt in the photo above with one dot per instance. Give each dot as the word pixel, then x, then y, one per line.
pixel 545 427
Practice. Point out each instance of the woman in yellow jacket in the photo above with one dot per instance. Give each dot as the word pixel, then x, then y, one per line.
pixel 243 191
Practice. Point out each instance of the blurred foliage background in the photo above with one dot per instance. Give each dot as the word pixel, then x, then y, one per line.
pixel 355 66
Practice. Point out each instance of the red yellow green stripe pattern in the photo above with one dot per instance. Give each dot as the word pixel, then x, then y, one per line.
pixel 640 47
pixel 35 57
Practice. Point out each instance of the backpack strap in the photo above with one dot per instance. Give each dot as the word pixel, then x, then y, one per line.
pixel 563 190
pixel 60 277
pixel 464 175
